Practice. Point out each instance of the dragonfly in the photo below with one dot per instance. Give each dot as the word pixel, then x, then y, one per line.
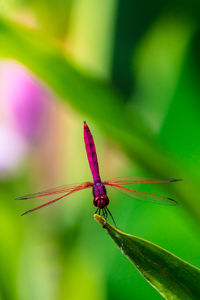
pixel 101 200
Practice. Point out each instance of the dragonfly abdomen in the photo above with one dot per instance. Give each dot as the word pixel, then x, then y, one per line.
pixel 91 153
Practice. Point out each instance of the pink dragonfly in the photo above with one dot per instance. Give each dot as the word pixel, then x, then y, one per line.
pixel 101 200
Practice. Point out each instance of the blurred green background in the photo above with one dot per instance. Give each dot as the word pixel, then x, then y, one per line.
pixel 131 69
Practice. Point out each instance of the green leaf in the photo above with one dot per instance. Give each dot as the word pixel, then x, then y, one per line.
pixel 170 275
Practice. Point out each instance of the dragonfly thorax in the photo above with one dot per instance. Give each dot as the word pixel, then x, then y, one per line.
pixel 101 201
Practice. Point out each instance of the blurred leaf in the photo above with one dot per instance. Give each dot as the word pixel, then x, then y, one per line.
pixel 158 63
pixel 97 100
pixel 91 45
pixel 132 22
pixel 171 276
pixel 53 16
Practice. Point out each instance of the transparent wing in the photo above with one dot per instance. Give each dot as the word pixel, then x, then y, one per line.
pixel 66 190
pixel 143 195
pixel 57 190
pixel 138 180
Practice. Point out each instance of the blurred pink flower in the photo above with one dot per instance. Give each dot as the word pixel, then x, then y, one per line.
pixel 12 150
pixel 23 99
pixel 23 111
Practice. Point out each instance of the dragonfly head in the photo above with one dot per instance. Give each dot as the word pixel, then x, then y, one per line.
pixel 101 201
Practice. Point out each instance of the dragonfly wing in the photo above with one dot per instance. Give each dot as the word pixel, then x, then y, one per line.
pixel 138 180
pixel 66 190
pixel 57 190
pixel 144 196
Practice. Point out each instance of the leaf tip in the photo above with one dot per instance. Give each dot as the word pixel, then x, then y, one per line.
pixel 100 220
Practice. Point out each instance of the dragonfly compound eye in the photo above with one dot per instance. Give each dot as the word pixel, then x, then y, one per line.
pixel 101 201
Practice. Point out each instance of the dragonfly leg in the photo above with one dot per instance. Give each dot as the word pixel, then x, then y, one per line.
pixel 111 216
pixel 106 214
